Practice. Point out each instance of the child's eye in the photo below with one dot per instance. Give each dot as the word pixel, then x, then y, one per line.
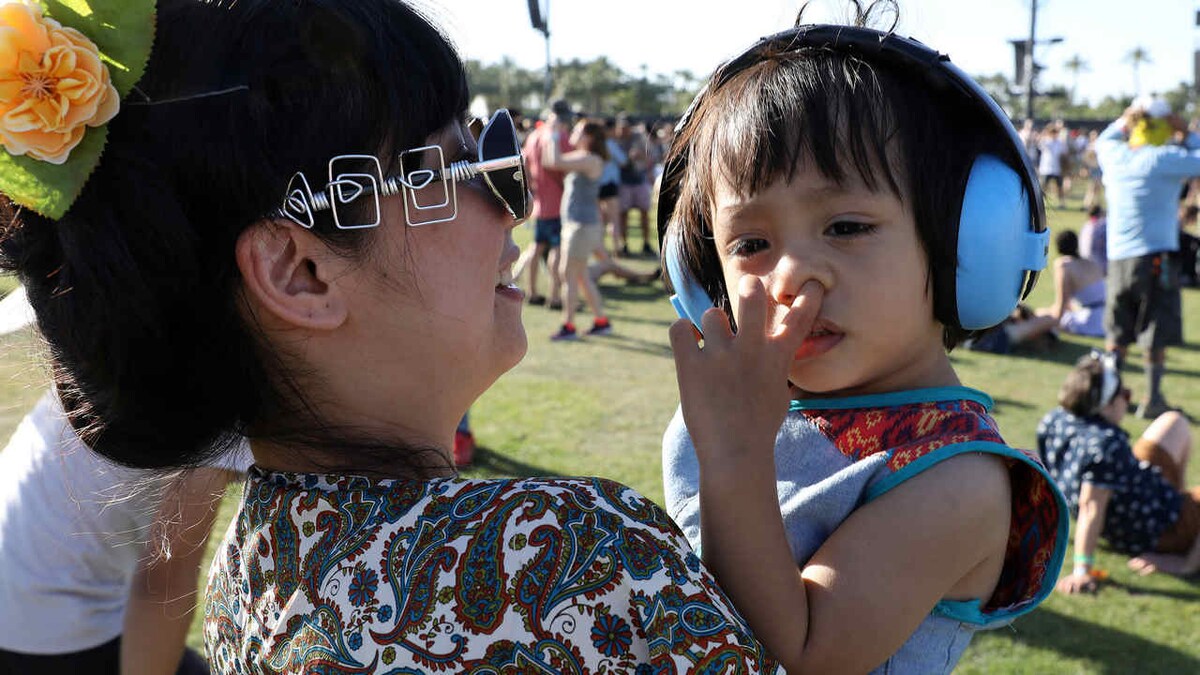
pixel 849 228
pixel 747 247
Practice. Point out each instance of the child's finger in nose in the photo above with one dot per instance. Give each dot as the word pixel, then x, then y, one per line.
pixel 798 321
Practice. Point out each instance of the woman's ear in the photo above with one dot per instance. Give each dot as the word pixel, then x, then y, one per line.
pixel 288 272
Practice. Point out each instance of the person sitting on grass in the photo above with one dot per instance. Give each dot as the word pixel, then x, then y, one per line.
pixel 1132 496
pixel 1078 290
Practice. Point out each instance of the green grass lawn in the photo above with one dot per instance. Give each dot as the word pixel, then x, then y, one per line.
pixel 599 406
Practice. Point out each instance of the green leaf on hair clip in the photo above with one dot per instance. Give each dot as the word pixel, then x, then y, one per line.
pixel 50 174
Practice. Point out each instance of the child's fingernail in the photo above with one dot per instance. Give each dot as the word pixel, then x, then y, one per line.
pixel 810 289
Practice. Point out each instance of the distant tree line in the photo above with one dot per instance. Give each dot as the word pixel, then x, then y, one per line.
pixel 599 87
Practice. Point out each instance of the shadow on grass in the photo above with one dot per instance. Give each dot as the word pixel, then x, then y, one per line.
pixel 629 344
pixel 1188 596
pixel 492 462
pixel 1106 649
pixel 627 318
pixel 1064 351
pixel 634 293
pixel 1010 402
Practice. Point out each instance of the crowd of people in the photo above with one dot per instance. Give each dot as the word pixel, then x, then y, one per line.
pixel 587 175
pixel 329 283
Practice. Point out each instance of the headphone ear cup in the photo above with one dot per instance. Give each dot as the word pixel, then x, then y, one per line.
pixel 690 300
pixel 997 247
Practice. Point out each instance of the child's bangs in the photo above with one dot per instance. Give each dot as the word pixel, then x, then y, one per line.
pixel 809 106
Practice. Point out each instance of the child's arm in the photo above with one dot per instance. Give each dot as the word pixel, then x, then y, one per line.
pixel 881 572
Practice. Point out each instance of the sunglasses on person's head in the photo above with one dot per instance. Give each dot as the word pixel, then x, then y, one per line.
pixel 352 177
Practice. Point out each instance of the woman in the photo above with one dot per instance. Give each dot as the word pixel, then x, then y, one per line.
pixel 1135 497
pixel 293 235
pixel 583 228
pixel 1078 290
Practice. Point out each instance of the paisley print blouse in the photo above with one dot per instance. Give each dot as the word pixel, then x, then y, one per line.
pixel 338 574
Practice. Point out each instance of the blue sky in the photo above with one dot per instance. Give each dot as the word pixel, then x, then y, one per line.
pixel 668 35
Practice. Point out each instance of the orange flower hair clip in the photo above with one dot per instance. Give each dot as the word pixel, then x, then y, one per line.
pixel 64 66
pixel 53 85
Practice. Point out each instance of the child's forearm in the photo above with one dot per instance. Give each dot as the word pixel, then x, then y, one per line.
pixel 746 549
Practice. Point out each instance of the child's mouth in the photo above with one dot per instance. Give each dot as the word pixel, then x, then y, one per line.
pixel 823 337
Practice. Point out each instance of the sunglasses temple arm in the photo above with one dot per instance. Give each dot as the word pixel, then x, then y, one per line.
pixel 465 170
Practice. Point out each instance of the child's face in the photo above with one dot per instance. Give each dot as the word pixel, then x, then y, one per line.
pixel 875 331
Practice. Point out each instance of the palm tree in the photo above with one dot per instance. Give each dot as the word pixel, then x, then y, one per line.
pixel 1137 57
pixel 1076 64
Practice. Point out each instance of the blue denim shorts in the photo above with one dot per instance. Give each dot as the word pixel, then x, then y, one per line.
pixel 548 231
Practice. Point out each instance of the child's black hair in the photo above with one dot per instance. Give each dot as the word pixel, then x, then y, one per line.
pixel 843 115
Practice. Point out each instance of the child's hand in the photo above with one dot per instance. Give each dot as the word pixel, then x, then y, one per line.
pixel 735 391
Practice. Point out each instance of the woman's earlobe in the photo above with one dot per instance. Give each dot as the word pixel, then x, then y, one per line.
pixel 285 270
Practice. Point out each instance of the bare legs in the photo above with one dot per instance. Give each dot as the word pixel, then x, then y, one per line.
pixel 1170 431
pixel 574 273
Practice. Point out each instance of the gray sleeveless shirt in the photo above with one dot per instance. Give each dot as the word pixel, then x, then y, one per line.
pixel 581 196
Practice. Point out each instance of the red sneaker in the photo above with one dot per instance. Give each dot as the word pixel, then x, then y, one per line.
pixel 464 449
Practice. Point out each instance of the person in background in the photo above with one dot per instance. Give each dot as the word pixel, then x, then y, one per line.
pixel 1029 137
pixel 610 184
pixel 98 562
pixel 1143 171
pixel 547 187
pixel 583 228
pixel 464 442
pixel 1135 497
pixel 92 579
pixel 1078 290
pixel 1089 170
pixel 1052 155
pixel 1189 244
pixel 635 186
pixel 1093 237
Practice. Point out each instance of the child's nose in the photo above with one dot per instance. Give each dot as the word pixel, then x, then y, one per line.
pixel 793 271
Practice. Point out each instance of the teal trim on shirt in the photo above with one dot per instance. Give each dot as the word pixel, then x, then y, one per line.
pixel 969 611
pixel 894 398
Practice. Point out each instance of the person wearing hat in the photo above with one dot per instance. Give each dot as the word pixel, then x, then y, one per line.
pixel 1143 168
pixel 547 187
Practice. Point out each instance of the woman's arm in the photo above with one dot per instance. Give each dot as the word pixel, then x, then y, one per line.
pixel 939 534
pixel 1063 290
pixel 575 160
pixel 163 594
pixel 1093 501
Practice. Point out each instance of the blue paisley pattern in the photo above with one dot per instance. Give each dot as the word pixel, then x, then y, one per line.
pixel 337 574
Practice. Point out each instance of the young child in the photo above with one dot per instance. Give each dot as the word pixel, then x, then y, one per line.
pixel 828 218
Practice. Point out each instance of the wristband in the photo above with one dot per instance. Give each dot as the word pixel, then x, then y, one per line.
pixel 1082 571
pixel 1085 559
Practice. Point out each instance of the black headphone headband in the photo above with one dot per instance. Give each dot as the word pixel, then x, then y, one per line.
pixel 872 45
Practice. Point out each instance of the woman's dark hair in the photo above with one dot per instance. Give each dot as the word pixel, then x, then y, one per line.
pixel 136 288
pixel 1067 243
pixel 845 116
pixel 595 136
pixel 1081 392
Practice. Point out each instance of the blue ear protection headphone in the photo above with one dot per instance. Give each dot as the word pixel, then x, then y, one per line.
pixel 1002 238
